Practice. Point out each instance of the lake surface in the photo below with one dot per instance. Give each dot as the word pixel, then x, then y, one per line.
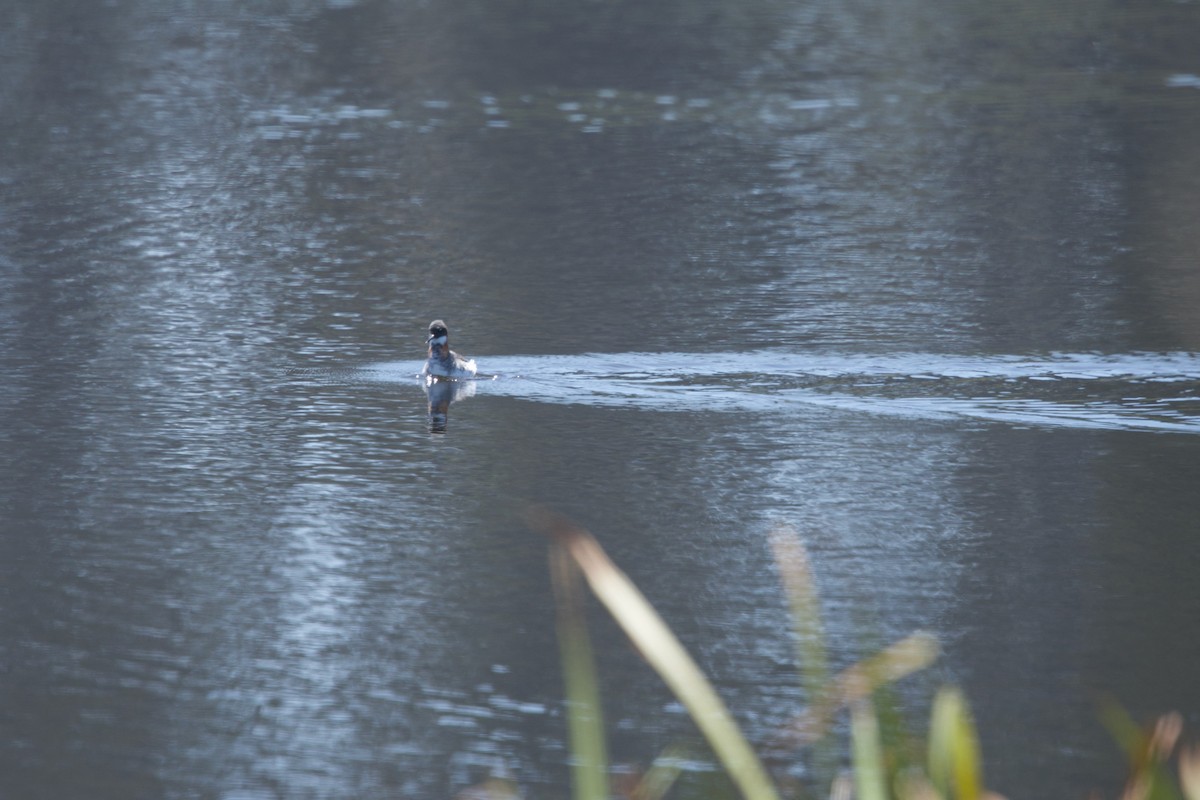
pixel 919 279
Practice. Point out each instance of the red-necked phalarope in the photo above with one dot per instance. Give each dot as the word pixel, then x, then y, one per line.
pixel 444 362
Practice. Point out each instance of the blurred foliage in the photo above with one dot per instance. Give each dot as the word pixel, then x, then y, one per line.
pixel 887 760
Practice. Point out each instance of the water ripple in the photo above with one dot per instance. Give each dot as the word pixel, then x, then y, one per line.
pixel 1125 391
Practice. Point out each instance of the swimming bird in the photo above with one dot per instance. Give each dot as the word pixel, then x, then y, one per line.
pixel 444 362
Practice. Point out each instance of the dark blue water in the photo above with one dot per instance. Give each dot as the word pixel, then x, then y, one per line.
pixel 917 279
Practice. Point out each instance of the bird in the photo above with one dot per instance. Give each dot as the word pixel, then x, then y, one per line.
pixel 444 362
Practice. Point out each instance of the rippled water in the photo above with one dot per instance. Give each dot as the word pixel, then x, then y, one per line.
pixel 1152 392
pixel 917 279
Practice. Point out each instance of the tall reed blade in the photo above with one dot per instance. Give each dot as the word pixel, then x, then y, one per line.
pixel 662 650
pixel 801 589
pixel 1147 751
pixel 1189 771
pixel 867 750
pixel 661 776
pixel 791 557
pixel 585 723
pixel 954 757
pixel 911 654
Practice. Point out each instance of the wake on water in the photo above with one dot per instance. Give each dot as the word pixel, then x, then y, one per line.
pixel 1127 391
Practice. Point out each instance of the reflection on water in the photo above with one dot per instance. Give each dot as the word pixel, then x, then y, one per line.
pixel 441 392
pixel 1142 391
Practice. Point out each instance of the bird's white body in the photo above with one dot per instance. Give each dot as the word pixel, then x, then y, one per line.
pixel 442 361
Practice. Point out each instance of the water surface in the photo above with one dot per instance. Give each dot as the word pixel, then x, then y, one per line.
pixel 916 278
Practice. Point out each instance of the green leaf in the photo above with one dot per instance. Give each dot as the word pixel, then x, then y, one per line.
pixel 954 757
pixel 585 723
pixel 869 774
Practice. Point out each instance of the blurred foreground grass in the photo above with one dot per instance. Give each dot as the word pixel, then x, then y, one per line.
pixel 886 761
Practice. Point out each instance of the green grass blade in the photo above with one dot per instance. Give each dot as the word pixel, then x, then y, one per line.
pixel 1128 734
pixel 585 723
pixel 954 756
pixel 870 782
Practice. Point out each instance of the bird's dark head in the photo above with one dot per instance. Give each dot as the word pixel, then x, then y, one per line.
pixel 437 331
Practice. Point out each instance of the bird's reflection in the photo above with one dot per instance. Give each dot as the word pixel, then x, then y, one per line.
pixel 441 393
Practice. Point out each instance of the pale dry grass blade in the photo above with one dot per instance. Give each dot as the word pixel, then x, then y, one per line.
pixel 1166 733
pixel 842 787
pixel 915 786
pixel 911 654
pixel 1189 771
pixel 491 789
pixel 801 588
pixel 663 651
pixel 1147 751
pixel 661 776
